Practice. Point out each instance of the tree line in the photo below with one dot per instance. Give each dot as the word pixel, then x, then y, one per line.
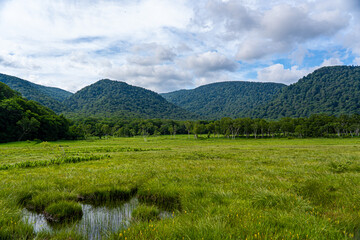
pixel 319 125
pixel 21 119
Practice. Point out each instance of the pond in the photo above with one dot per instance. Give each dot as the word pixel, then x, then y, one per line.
pixel 96 222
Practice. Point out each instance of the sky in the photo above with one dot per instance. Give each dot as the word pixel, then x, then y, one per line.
pixel 167 45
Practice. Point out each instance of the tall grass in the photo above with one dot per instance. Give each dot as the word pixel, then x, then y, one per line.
pixel 213 188
pixel 57 161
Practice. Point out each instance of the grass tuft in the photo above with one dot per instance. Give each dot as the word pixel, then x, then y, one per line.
pixel 104 194
pixel 145 213
pixel 166 199
pixel 56 161
pixel 63 211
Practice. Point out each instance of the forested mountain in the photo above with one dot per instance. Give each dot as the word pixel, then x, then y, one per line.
pixel 24 119
pixel 48 96
pixel 330 90
pixel 6 92
pixel 107 98
pixel 224 99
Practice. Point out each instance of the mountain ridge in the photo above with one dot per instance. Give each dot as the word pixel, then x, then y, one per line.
pixel 224 99
pixel 328 90
pixel 116 98
pixel 50 97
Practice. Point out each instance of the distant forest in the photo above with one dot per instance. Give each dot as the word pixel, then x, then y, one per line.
pixel 21 119
pixel 319 125
pixel 326 103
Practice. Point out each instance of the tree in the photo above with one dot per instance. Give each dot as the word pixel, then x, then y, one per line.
pixel 188 127
pixel 197 129
pixel 98 130
pixel 28 125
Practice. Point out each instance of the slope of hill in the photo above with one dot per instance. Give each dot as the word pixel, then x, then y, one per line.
pixel 107 98
pixel 224 99
pixel 6 92
pixel 329 90
pixel 25 119
pixel 48 96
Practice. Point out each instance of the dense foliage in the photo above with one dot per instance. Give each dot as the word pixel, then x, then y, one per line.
pixel 6 92
pixel 224 99
pixel 330 90
pixel 22 119
pixel 108 98
pixel 48 96
pixel 320 125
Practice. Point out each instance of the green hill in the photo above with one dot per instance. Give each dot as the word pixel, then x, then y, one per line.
pixel 6 92
pixel 24 119
pixel 224 99
pixel 107 98
pixel 329 90
pixel 48 96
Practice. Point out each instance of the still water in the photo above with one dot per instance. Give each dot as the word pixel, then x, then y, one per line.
pixel 95 223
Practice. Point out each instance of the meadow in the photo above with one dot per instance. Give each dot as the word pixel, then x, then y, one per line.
pixel 214 188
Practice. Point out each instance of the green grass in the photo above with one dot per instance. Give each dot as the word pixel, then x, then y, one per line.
pixel 217 188
pixel 145 213
pixel 63 211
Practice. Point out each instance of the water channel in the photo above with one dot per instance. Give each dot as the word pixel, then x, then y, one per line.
pixel 96 222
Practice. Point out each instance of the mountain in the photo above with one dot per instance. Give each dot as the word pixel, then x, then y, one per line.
pixel 6 92
pixel 224 99
pixel 25 119
pixel 107 98
pixel 48 96
pixel 330 90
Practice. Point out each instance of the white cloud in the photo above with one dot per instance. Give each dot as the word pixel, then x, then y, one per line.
pixel 277 73
pixel 357 61
pixel 256 47
pixel 159 78
pixel 151 54
pixel 209 62
pixel 166 45
pixel 331 62
pixel 283 27
pixel 297 56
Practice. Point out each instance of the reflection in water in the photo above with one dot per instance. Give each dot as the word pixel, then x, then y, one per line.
pixel 95 223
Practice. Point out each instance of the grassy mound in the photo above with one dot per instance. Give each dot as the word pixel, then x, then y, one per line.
pixel 145 213
pixel 63 211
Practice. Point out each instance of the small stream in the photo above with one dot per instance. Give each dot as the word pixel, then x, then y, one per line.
pixel 95 223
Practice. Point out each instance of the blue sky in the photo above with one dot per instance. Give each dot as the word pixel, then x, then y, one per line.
pixel 166 45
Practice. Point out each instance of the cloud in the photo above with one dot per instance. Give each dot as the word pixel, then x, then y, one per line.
pixel 256 47
pixel 77 41
pixel 209 62
pixel 331 62
pixel 16 62
pixel 166 45
pixel 151 54
pixel 159 78
pixel 231 17
pixel 277 73
pixel 298 24
pixel 357 61
pixel 283 27
pixel 298 55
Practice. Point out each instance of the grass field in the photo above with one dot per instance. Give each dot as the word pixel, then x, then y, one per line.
pixel 216 188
